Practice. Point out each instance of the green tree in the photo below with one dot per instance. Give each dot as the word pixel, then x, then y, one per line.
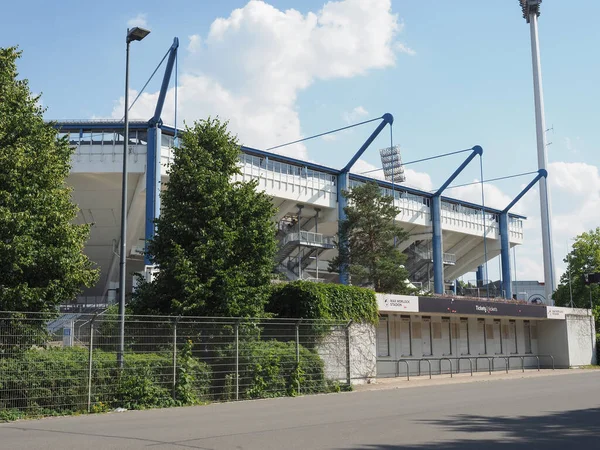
pixel 215 239
pixel 41 250
pixel 370 256
pixel 583 259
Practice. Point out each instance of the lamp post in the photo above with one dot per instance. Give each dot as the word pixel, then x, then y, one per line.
pixel 531 12
pixel 133 34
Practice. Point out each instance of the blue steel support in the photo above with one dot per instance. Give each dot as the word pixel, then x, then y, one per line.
pixel 505 235
pixel 165 85
pixel 153 152
pixel 436 245
pixel 479 276
pixel 152 184
pixel 505 255
pixel 436 224
pixel 387 118
pixel 342 185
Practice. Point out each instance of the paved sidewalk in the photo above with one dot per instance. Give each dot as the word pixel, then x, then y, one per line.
pixel 554 411
pixel 460 378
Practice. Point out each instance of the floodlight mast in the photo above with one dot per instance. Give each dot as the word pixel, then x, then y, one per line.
pixel 531 12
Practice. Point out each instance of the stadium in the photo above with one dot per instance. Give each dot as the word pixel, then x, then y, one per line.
pixel 447 238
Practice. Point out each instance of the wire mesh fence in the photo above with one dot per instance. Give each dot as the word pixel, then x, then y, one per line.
pixel 75 363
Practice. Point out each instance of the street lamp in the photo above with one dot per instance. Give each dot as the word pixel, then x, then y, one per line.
pixel 531 12
pixel 133 34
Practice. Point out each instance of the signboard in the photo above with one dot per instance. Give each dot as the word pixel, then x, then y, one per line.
pixel 67 335
pixel 397 303
pixel 555 312
pixel 479 308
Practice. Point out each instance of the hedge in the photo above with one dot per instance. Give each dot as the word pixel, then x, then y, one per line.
pixel 335 302
pixel 270 369
pixel 55 381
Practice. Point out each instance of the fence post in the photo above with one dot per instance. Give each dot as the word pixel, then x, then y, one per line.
pixel 175 359
pixel 298 355
pixel 237 361
pixel 348 371
pixel 90 362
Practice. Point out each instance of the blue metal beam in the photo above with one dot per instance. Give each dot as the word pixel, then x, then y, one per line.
pixel 165 85
pixel 479 276
pixel 153 181
pixel 505 236
pixel 153 152
pixel 436 223
pixel 342 185
pixel 387 118
pixel 477 150
pixel 542 173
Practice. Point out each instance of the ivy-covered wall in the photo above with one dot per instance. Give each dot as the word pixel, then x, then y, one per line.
pixel 308 300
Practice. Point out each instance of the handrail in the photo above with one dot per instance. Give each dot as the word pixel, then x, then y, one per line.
pixel 491 366
pixel 407 368
pixel 428 362
pixel 450 361
pixel 459 359
pixel 489 359
pixel 548 356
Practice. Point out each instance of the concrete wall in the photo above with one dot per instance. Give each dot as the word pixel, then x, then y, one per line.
pixel 449 340
pixel 553 341
pixel 581 335
pixel 570 340
pixel 363 364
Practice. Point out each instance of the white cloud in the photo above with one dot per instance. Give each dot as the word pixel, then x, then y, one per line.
pixel 355 115
pixel 138 21
pixel 329 137
pixel 405 49
pixel 253 64
pixel 194 44
pixel 493 196
pixel 575 196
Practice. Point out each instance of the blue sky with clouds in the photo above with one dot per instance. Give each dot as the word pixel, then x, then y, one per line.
pixel 453 73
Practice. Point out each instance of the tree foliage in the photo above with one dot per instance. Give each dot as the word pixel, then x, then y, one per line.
pixel 583 259
pixel 370 256
pixel 215 239
pixel 41 251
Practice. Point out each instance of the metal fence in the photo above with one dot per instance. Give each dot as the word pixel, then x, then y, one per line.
pixel 73 364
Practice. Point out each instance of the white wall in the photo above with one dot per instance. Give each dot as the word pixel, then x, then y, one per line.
pixel 582 340
pixel 417 347
pixel 333 351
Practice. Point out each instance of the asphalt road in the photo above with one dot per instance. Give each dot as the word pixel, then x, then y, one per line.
pixel 554 412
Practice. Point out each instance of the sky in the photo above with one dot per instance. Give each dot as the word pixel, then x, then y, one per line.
pixel 454 74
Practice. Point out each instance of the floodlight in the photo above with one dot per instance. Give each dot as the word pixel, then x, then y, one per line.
pixel 137 34
pixel 530 7
pixel 391 160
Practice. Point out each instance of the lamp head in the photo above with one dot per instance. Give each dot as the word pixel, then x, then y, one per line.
pixel 136 34
pixel 530 7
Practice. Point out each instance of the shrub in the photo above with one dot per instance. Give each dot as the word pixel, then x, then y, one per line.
pixel 55 381
pixel 270 369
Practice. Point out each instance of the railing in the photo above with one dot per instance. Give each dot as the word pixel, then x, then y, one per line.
pixel 180 360
pixel 447 258
pixel 490 359
pixel 308 237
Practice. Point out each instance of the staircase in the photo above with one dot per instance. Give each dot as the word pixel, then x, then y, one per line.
pixel 420 257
